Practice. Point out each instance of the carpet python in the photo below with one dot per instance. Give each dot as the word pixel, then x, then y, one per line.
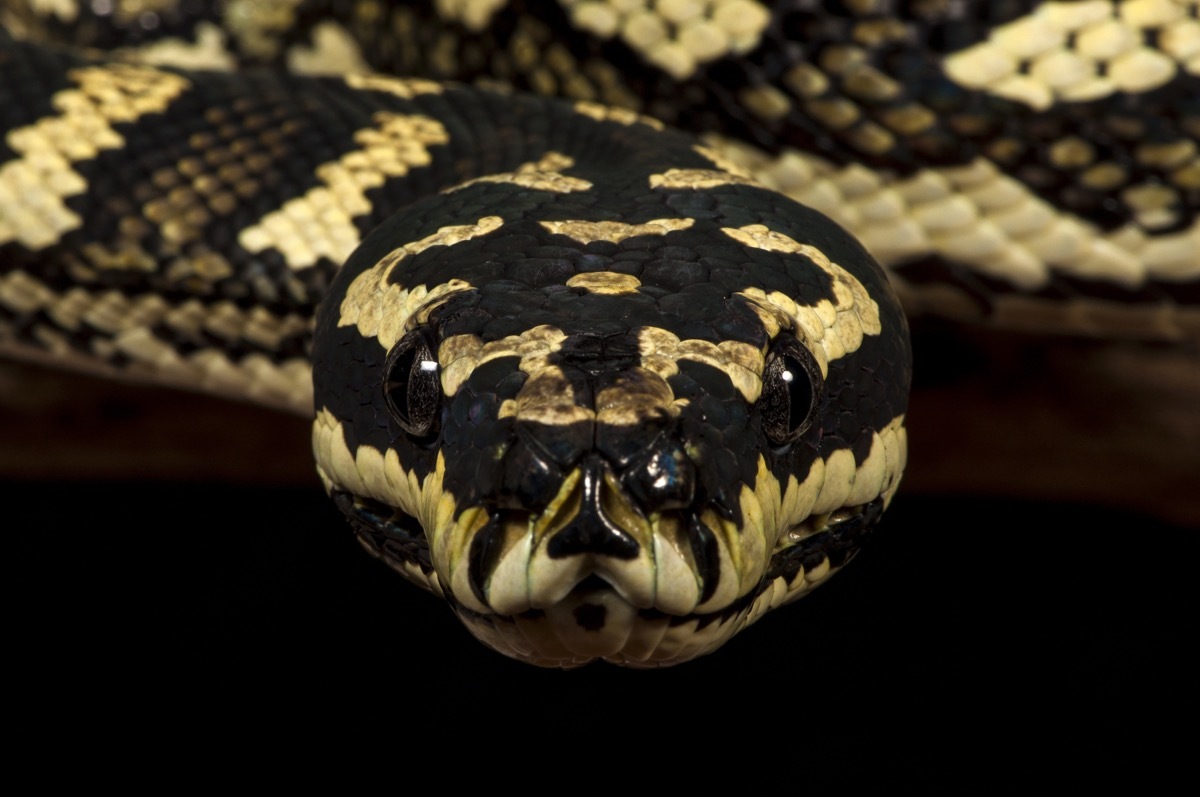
pixel 611 390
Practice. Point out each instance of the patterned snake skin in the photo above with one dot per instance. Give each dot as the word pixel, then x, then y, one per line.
pixel 600 385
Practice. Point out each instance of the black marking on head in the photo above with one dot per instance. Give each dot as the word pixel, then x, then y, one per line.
pixel 531 477
pixel 596 354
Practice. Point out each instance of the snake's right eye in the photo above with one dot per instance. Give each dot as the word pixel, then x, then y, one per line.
pixel 792 391
pixel 412 384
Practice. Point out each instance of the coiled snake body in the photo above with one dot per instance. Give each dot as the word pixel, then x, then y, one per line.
pixel 596 382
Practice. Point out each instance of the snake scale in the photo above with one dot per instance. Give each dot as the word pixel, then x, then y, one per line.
pixel 612 390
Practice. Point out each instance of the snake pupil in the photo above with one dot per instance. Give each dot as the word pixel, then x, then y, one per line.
pixel 791 387
pixel 412 386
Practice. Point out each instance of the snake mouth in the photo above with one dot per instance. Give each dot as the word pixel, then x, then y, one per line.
pixel 391 535
pixel 592 617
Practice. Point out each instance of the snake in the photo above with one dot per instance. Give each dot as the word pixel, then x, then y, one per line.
pixel 584 298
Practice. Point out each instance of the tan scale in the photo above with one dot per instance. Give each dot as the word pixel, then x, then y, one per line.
pixel 131 11
pixel 768 103
pixel 1011 235
pixel 1080 51
pixel 210 51
pixel 63 10
pixel 333 52
pixel 677 36
pixel 475 15
pixel 547 396
pixel 35 185
pixel 125 325
pixel 260 25
pixel 320 223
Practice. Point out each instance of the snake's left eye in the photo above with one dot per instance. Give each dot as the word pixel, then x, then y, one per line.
pixel 792 388
pixel 412 385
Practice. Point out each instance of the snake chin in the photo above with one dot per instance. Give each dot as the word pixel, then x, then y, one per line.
pixel 593 615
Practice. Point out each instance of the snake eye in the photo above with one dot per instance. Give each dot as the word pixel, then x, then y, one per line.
pixel 792 386
pixel 412 385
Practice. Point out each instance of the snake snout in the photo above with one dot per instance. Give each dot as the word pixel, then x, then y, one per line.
pixel 621 527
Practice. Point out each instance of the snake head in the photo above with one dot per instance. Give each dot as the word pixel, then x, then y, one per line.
pixel 604 440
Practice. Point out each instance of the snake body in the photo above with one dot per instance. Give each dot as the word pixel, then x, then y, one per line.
pixel 597 383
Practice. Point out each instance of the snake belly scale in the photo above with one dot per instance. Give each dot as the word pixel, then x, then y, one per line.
pixel 586 377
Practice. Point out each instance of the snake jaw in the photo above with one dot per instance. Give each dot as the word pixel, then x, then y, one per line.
pixel 656 609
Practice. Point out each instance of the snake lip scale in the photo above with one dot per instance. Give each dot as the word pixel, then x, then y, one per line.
pixel 830 541
pixel 611 390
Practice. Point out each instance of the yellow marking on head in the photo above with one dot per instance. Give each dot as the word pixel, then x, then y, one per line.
pixel 381 307
pixel 836 326
pixel 742 363
pixel 634 397
pixel 321 223
pixel 698 178
pixel 461 354
pixel 34 186
pixel 544 174
pixel 722 160
pixel 614 231
pixel 404 88
pixel 605 113
pixel 546 397
pixel 609 283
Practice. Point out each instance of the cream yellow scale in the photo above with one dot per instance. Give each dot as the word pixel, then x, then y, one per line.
pixel 974 215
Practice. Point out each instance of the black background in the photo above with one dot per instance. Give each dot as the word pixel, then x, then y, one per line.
pixel 984 637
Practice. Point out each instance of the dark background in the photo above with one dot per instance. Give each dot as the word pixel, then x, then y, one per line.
pixel 174 563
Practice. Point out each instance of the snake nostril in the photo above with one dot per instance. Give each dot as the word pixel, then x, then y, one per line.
pixel 665 479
